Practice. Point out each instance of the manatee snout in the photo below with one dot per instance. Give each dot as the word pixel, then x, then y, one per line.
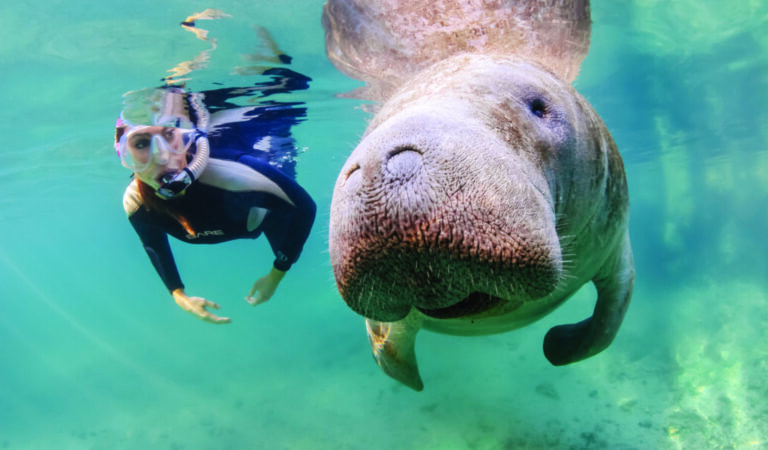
pixel 417 221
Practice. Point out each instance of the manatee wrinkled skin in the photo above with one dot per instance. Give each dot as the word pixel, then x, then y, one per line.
pixel 486 190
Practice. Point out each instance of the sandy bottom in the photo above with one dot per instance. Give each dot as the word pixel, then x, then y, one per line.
pixel 687 375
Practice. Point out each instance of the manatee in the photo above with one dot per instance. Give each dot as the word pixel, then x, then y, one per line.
pixel 485 190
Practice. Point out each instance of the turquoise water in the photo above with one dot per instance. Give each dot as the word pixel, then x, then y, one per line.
pixel 95 354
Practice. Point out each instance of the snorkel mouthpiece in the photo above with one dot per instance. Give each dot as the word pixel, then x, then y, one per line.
pixel 175 183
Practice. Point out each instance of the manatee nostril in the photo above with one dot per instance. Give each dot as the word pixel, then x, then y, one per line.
pixel 402 149
pixel 355 167
pixel 404 161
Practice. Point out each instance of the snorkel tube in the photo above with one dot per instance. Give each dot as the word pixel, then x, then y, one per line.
pixel 174 184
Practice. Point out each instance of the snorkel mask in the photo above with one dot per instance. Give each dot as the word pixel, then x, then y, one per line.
pixel 139 146
pixel 143 145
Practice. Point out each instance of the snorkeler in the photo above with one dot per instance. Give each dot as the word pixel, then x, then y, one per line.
pixel 203 192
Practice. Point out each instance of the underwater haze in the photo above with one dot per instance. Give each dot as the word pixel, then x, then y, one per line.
pixel 94 353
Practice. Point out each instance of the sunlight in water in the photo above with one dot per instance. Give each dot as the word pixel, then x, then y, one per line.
pixel 94 352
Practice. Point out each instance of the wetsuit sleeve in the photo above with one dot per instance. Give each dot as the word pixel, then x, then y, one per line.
pixel 155 242
pixel 287 227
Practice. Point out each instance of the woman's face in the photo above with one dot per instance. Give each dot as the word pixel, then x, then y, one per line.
pixel 153 151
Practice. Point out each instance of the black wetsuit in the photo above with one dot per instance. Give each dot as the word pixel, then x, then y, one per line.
pixel 239 196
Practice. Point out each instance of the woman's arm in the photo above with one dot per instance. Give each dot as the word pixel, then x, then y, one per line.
pixel 155 242
pixel 287 227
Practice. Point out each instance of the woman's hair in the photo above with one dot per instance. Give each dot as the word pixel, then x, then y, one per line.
pixel 152 202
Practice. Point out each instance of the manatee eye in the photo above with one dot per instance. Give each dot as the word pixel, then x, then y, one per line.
pixel 538 107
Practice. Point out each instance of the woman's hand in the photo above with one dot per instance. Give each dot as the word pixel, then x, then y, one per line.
pixel 197 305
pixel 266 286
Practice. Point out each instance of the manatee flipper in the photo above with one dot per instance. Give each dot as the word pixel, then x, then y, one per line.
pixel 393 346
pixel 565 344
